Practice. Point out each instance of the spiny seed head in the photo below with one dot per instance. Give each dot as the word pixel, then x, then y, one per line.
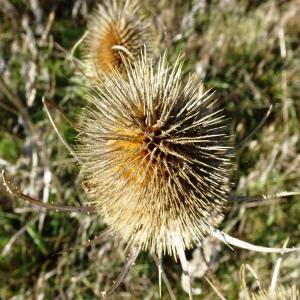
pixel 281 293
pixel 115 29
pixel 154 154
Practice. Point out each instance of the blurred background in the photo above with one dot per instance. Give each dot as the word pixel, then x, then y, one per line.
pixel 247 51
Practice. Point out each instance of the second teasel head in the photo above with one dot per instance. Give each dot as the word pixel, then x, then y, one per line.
pixel 116 29
pixel 155 157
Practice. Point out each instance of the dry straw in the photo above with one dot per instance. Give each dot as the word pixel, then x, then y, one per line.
pixel 115 28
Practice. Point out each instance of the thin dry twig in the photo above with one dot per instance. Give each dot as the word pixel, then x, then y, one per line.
pixel 77 44
pixel 51 104
pixel 103 236
pixel 16 101
pixel 131 260
pixel 277 266
pixel 222 236
pixel 252 133
pixel 42 204
pixel 14 238
pixel 62 139
pixel 219 294
pixel 164 277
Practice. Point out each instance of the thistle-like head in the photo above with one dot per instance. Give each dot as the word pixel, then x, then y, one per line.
pixel 116 29
pixel 155 156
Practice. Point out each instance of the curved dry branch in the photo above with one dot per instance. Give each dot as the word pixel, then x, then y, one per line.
pixel 131 260
pixel 103 236
pixel 70 149
pixel 17 102
pixel 227 239
pixel 51 104
pixel 251 134
pixel 42 204
pixel 77 44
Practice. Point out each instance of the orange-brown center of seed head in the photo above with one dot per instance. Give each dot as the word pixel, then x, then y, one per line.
pixel 107 58
pixel 139 148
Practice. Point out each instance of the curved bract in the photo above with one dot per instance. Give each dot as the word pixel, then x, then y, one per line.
pixel 154 154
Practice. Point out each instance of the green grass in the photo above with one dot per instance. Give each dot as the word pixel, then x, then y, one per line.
pixel 237 50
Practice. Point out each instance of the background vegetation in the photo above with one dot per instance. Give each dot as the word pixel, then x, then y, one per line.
pixel 247 51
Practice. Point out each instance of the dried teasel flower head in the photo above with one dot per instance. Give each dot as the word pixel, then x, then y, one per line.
pixel 281 293
pixel 116 28
pixel 154 154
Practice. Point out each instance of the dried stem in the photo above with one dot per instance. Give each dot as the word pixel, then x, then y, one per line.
pixel 164 277
pixel 251 134
pixel 17 102
pixel 14 238
pixel 131 260
pixel 107 233
pixel 185 267
pixel 51 104
pixel 215 289
pixel 70 149
pixel 227 239
pixel 42 204
pixel 74 48
pixel 275 275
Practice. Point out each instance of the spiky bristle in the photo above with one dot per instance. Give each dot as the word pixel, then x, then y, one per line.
pixel 115 29
pixel 154 155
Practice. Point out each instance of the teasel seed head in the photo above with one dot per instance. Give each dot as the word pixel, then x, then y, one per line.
pixel 116 28
pixel 154 154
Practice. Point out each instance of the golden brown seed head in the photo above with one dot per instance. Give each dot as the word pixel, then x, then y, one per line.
pixel 116 29
pixel 155 156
